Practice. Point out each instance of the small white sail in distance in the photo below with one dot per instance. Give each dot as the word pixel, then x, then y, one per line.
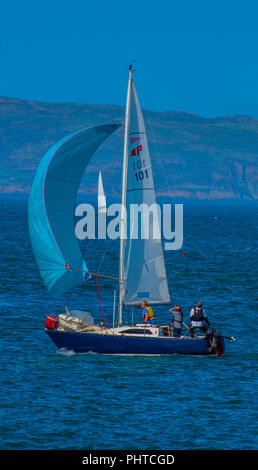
pixel 102 205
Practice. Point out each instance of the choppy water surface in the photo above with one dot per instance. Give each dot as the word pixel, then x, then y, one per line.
pixel 50 400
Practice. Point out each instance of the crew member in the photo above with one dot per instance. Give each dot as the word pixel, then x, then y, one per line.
pixel 147 313
pixel 177 319
pixel 197 318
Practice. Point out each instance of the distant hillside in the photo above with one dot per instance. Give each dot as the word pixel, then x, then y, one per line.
pixel 192 157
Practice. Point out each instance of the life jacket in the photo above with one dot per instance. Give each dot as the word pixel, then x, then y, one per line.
pixel 151 315
pixel 198 314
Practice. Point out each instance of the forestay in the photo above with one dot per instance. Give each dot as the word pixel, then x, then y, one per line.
pixel 144 274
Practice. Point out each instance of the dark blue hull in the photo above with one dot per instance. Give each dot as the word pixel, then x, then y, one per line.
pixel 109 344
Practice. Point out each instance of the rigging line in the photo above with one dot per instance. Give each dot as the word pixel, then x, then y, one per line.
pixel 101 261
pixel 100 304
pixel 108 177
pixel 116 150
pixel 92 274
pixel 104 276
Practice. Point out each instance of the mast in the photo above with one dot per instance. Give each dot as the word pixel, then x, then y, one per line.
pixel 123 209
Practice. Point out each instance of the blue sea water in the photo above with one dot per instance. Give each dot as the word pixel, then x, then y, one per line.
pixel 50 400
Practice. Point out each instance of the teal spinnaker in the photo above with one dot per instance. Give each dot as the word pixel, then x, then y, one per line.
pixel 51 208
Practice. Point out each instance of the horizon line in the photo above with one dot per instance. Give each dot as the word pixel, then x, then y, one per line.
pixel 176 111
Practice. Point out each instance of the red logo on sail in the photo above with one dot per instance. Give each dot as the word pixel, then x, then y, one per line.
pixel 136 151
pixel 134 139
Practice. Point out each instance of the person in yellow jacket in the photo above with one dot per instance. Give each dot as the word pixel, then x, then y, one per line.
pixel 147 313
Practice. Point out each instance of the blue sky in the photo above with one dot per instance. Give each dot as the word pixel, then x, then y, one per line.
pixel 196 56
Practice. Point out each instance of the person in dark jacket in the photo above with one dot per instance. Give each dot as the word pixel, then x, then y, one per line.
pixel 198 318
pixel 177 319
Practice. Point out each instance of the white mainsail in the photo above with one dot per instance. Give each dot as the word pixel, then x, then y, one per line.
pixel 102 206
pixel 143 273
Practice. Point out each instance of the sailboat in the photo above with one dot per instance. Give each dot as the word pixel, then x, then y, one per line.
pixel 102 205
pixel 142 272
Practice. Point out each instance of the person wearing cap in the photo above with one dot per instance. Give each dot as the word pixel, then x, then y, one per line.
pixel 198 318
pixel 177 319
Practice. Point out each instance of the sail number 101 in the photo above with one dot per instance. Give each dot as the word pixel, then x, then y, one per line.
pixel 140 172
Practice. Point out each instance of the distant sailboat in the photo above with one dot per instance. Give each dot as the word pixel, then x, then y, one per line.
pixel 102 205
pixel 142 273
